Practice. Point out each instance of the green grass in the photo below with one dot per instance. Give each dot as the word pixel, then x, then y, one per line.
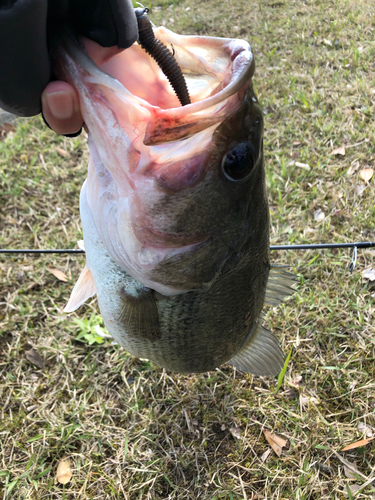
pixel 135 431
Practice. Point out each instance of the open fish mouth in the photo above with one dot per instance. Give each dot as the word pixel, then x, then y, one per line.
pixel 214 69
pixel 152 160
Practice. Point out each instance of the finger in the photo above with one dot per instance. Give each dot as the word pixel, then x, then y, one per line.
pixel 107 22
pixel 61 108
pixel 24 62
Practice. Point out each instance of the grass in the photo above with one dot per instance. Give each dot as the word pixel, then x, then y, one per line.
pixel 134 431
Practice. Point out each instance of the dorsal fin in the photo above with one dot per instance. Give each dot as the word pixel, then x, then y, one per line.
pixel 279 285
pixel 83 290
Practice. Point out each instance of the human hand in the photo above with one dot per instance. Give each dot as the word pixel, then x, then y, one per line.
pixel 25 72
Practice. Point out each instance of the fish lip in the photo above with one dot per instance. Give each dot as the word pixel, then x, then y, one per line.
pixel 239 47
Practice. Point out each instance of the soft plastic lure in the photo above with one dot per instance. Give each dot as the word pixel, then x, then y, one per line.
pixel 162 55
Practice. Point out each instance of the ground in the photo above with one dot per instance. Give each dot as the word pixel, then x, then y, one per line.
pixel 132 430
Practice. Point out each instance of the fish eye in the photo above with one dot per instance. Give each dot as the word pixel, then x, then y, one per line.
pixel 238 163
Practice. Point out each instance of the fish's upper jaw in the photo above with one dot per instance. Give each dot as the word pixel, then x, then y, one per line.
pixel 128 104
pixel 214 68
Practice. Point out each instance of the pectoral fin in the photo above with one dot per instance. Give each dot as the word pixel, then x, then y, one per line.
pixel 262 354
pixel 140 314
pixel 83 290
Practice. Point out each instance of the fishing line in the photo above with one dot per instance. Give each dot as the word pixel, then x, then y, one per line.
pixel 317 246
pixel 41 250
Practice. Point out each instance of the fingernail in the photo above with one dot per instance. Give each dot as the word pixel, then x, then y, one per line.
pixel 60 105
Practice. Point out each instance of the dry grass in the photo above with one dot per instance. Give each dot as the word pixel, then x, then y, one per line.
pixel 134 431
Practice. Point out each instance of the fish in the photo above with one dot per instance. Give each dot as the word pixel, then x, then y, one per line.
pixel 174 209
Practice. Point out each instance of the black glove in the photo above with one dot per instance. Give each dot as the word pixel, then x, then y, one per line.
pixel 26 26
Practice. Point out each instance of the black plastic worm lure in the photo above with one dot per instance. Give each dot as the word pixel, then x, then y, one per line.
pixel 162 55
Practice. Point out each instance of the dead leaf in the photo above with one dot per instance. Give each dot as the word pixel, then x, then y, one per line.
pixel 302 165
pixel 319 215
pixel 236 432
pixel 58 274
pixel 296 381
pixel 62 152
pixel 349 464
pixel 366 174
pixel 358 444
pixel 27 268
pixel 365 428
pixel 305 400
pixel 64 473
pixel 7 127
pixel 31 408
pixel 351 472
pixel 353 168
pixel 339 151
pixel 266 454
pixel 369 274
pixel 35 358
pixel 359 190
pixel 354 488
pixel 276 442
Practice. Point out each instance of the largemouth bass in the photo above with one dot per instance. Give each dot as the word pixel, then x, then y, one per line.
pixel 174 209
